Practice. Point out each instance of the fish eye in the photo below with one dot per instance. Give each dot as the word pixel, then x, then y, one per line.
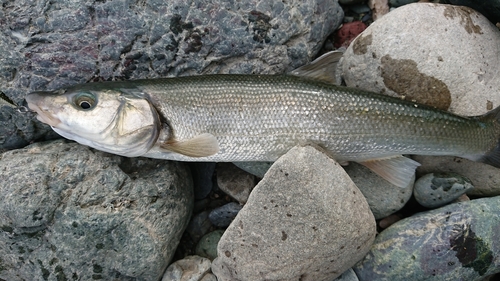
pixel 85 101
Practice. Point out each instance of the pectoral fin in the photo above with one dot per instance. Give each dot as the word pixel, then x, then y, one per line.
pixel 397 170
pixel 323 68
pixel 199 146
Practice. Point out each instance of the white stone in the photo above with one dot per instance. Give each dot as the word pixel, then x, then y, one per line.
pixel 433 51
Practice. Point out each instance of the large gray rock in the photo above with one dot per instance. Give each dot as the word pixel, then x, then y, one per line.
pixel 442 55
pixel 51 44
pixel 306 220
pixel 456 242
pixel 67 212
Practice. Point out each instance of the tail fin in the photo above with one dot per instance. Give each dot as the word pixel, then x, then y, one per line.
pixel 493 156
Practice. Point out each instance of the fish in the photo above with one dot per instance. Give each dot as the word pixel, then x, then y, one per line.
pixel 235 118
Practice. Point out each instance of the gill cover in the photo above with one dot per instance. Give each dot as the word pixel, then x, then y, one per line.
pixel 109 120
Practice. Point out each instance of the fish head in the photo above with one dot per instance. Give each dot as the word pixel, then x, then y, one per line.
pixel 108 120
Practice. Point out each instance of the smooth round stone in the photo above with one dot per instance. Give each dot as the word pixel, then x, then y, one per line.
pixel 207 246
pixel 224 215
pixel 437 189
pixel 199 225
pixel 202 173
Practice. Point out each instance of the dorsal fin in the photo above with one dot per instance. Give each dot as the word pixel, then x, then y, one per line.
pixel 199 146
pixel 397 170
pixel 322 69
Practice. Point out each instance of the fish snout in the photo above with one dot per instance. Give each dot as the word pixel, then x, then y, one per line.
pixel 37 102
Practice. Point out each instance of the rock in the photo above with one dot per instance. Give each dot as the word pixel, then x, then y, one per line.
pixel 383 197
pixel 350 2
pixel 224 215
pixel 199 226
pixel 207 246
pixel 258 169
pixel 379 8
pixel 441 55
pixel 349 275
pixel 347 33
pixel 190 268
pixel 67 209
pixel 490 9
pixel 437 189
pixel 305 220
pixel 65 42
pixel 455 242
pixel 389 220
pixel 485 178
pixel 235 182
pixel 399 3
pixel 202 178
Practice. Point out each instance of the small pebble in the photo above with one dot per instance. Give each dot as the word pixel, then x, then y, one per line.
pixel 224 215
pixel 234 181
pixel 199 226
pixel 207 246
pixel 347 33
pixel 437 189
pixel 192 268
pixel 388 221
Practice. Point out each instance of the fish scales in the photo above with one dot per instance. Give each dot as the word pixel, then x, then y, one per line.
pixel 259 118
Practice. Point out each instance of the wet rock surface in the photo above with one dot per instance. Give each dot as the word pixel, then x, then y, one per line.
pixel 455 242
pixel 305 220
pixel 66 210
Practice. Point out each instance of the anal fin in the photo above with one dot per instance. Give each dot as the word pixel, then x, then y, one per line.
pixel 398 170
pixel 199 146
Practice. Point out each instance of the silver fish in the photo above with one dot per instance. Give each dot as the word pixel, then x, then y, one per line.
pixel 259 118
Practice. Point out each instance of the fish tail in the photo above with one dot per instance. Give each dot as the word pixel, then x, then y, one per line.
pixel 492 157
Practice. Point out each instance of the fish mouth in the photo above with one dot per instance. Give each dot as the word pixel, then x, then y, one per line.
pixel 35 103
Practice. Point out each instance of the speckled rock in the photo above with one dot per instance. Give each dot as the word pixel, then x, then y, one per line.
pixel 442 55
pixel 235 182
pixel 52 44
pixel 66 210
pixel 456 242
pixel 485 178
pixel 383 197
pixel 207 246
pixel 199 225
pixel 305 220
pixel 224 215
pixel 437 189
pixel 190 268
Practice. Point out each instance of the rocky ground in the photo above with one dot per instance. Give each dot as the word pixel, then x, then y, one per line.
pixel 73 213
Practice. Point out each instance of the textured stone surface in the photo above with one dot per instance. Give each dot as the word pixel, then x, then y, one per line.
pixel 436 189
pixel 442 55
pixel 190 268
pixel 66 210
pixel 306 220
pixel 349 275
pixel 456 242
pixel 485 178
pixel 490 8
pixel 383 197
pixel 51 44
